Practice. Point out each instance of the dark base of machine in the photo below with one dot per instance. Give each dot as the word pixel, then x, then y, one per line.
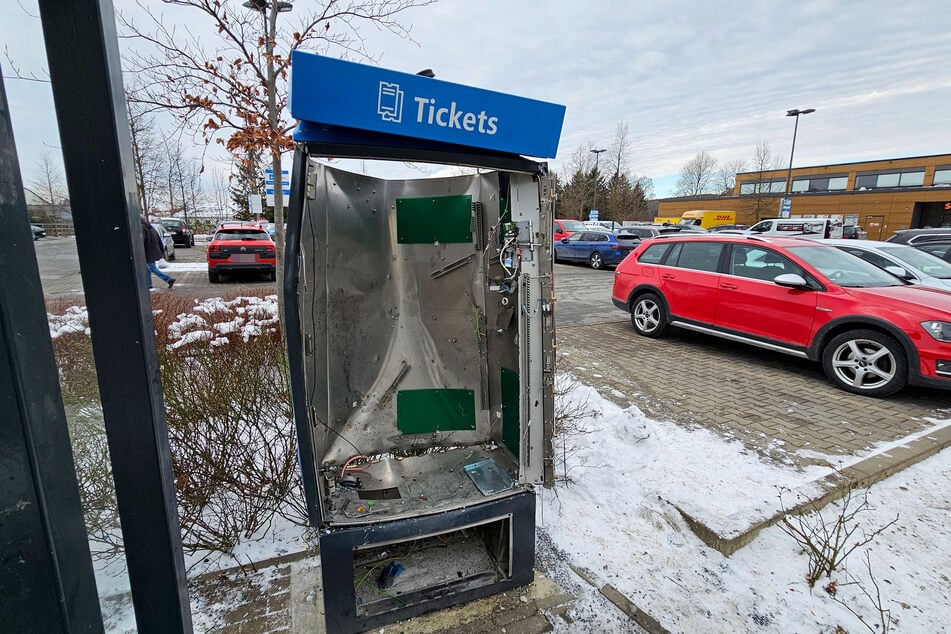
pixel 377 574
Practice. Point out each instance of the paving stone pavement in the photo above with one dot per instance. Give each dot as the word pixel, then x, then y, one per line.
pixel 781 407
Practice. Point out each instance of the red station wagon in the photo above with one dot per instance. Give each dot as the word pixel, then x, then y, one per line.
pixel 245 248
pixel 872 332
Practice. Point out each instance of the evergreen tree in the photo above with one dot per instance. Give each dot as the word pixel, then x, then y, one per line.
pixel 248 179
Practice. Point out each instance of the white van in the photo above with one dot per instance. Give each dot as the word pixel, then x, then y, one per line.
pixel 808 227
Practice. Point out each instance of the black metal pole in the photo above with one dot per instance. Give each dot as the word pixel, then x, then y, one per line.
pixel 791 153
pixel 46 575
pixel 83 55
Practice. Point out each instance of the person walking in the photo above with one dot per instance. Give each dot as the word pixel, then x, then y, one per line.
pixel 154 251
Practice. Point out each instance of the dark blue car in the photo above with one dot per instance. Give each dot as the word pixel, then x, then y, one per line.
pixel 598 248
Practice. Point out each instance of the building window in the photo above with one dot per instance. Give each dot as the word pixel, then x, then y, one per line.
pixel 914 177
pixel 942 175
pixel 763 187
pixel 819 183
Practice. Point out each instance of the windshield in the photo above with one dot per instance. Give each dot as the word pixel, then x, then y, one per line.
pixel 917 259
pixel 171 224
pixel 242 234
pixel 572 225
pixel 844 268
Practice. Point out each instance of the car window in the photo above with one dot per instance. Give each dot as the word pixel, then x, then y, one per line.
pixel 588 236
pixel 171 224
pixel 927 263
pixel 761 226
pixel 572 225
pixel 843 268
pixel 759 263
pixel 241 234
pixel 939 250
pixel 603 237
pixel 699 256
pixel 869 256
pixel 653 254
pixel 575 237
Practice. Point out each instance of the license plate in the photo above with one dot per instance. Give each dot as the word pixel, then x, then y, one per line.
pixel 243 258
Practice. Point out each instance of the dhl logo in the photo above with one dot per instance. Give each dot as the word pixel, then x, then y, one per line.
pixel 724 217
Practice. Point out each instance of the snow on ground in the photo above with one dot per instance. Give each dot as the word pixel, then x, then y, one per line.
pixel 617 519
pixel 182 267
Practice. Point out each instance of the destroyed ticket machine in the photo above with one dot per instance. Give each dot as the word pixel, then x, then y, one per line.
pixel 420 336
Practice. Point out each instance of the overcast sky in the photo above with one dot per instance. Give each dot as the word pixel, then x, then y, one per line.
pixel 685 76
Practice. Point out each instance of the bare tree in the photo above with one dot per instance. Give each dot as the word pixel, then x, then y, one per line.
pixel 149 156
pixel 619 149
pixel 49 190
pixel 576 193
pixel 697 176
pixel 759 201
pixel 232 89
pixel 726 176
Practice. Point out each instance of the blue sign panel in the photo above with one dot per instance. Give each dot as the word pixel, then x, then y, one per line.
pixel 785 207
pixel 334 92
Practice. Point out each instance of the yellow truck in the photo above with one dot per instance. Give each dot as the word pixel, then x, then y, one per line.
pixel 667 221
pixel 708 218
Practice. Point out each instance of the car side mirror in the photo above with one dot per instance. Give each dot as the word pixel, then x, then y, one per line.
pixel 898 272
pixel 791 280
pixel 564 240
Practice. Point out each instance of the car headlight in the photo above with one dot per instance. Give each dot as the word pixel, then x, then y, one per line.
pixel 940 330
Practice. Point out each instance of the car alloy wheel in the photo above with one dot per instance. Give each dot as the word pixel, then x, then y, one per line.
pixel 649 316
pixel 596 260
pixel 865 362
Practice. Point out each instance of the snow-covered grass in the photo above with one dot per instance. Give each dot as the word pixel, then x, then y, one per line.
pixel 617 519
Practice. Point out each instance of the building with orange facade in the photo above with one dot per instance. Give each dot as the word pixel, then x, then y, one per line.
pixel 879 196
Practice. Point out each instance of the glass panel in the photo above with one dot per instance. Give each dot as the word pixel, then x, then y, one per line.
pixel 865 181
pixel 653 254
pixel 801 185
pixel 700 256
pixel 819 184
pixel 749 188
pixel 838 183
pixel 777 187
pixel 942 176
pixel 887 180
pixel 912 179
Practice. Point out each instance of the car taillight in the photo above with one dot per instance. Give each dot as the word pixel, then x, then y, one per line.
pixel 213 248
pixel 269 253
pixel 615 246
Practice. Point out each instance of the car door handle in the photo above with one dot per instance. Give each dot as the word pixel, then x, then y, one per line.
pixel 669 276
pixel 731 287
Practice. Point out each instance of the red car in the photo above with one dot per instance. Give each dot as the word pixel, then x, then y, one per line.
pixel 564 228
pixel 245 248
pixel 872 332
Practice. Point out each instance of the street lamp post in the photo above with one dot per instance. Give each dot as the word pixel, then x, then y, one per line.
pixel 795 112
pixel 597 155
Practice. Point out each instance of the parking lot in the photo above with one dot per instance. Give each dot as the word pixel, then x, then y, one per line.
pixel 779 406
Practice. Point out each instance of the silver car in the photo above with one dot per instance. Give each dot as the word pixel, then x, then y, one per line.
pixel 919 267
pixel 167 240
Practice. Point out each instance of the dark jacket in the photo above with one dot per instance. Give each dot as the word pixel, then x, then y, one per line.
pixel 154 247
